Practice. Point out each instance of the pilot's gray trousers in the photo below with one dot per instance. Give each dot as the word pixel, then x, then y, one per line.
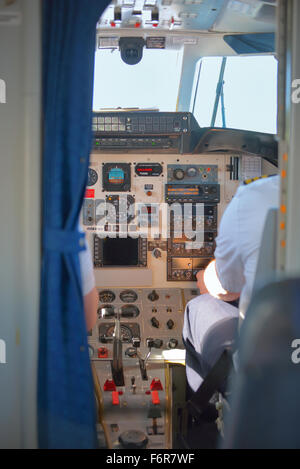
pixel 210 326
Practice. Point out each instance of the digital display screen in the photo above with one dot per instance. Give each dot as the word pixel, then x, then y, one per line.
pixel 120 252
pixel 116 176
pixel 183 191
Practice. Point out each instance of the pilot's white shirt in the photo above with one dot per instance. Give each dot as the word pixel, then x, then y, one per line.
pixel 236 255
pixel 240 235
pixel 86 268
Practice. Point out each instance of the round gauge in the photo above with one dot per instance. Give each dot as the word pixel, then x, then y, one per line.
pixel 191 172
pixel 129 311
pixel 92 177
pixel 106 311
pixel 107 296
pixel 126 334
pixel 128 296
pixel 178 174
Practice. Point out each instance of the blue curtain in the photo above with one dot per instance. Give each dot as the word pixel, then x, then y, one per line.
pixel 66 408
pixel 251 43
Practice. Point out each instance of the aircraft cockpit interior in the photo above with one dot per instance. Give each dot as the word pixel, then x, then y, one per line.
pixel 154 117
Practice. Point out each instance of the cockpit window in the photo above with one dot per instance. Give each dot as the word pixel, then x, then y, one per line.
pixel 249 99
pixel 152 83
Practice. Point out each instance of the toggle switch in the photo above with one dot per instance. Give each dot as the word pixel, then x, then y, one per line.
pixel 155 322
pixel 170 324
pixel 153 296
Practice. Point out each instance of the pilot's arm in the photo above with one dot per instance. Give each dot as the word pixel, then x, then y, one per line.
pixel 223 278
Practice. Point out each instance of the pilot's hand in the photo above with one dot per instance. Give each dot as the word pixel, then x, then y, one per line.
pixel 200 282
pixel 209 278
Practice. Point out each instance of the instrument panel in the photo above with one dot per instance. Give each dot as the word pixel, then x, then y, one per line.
pixel 151 213
pixel 156 214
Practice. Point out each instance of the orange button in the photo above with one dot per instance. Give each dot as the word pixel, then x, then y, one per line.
pixel 155 398
pixel 102 352
pixel 115 398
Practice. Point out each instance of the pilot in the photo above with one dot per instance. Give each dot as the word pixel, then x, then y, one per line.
pixel 89 291
pixel 226 284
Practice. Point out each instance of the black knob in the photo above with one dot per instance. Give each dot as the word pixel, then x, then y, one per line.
pixel 170 324
pixel 172 343
pixel 155 322
pixel 133 439
pixel 153 296
pixel 178 174
pixel 130 352
pixel 136 342
pixel 149 342
pixel 157 343
pixel 157 253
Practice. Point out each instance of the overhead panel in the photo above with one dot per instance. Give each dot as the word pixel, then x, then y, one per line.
pixel 198 15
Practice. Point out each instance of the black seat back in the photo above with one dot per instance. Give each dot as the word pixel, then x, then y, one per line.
pixel 265 408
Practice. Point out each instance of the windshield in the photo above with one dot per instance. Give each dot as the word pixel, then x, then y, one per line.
pixel 152 83
pixel 249 93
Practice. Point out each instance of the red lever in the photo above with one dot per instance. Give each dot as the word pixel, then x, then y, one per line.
pixel 109 385
pixel 155 398
pixel 115 398
pixel 156 385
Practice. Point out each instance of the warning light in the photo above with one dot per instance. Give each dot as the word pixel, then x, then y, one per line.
pixel 154 25
pixel 137 24
pixel 113 24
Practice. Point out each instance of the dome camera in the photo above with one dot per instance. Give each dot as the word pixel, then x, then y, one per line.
pixel 131 49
